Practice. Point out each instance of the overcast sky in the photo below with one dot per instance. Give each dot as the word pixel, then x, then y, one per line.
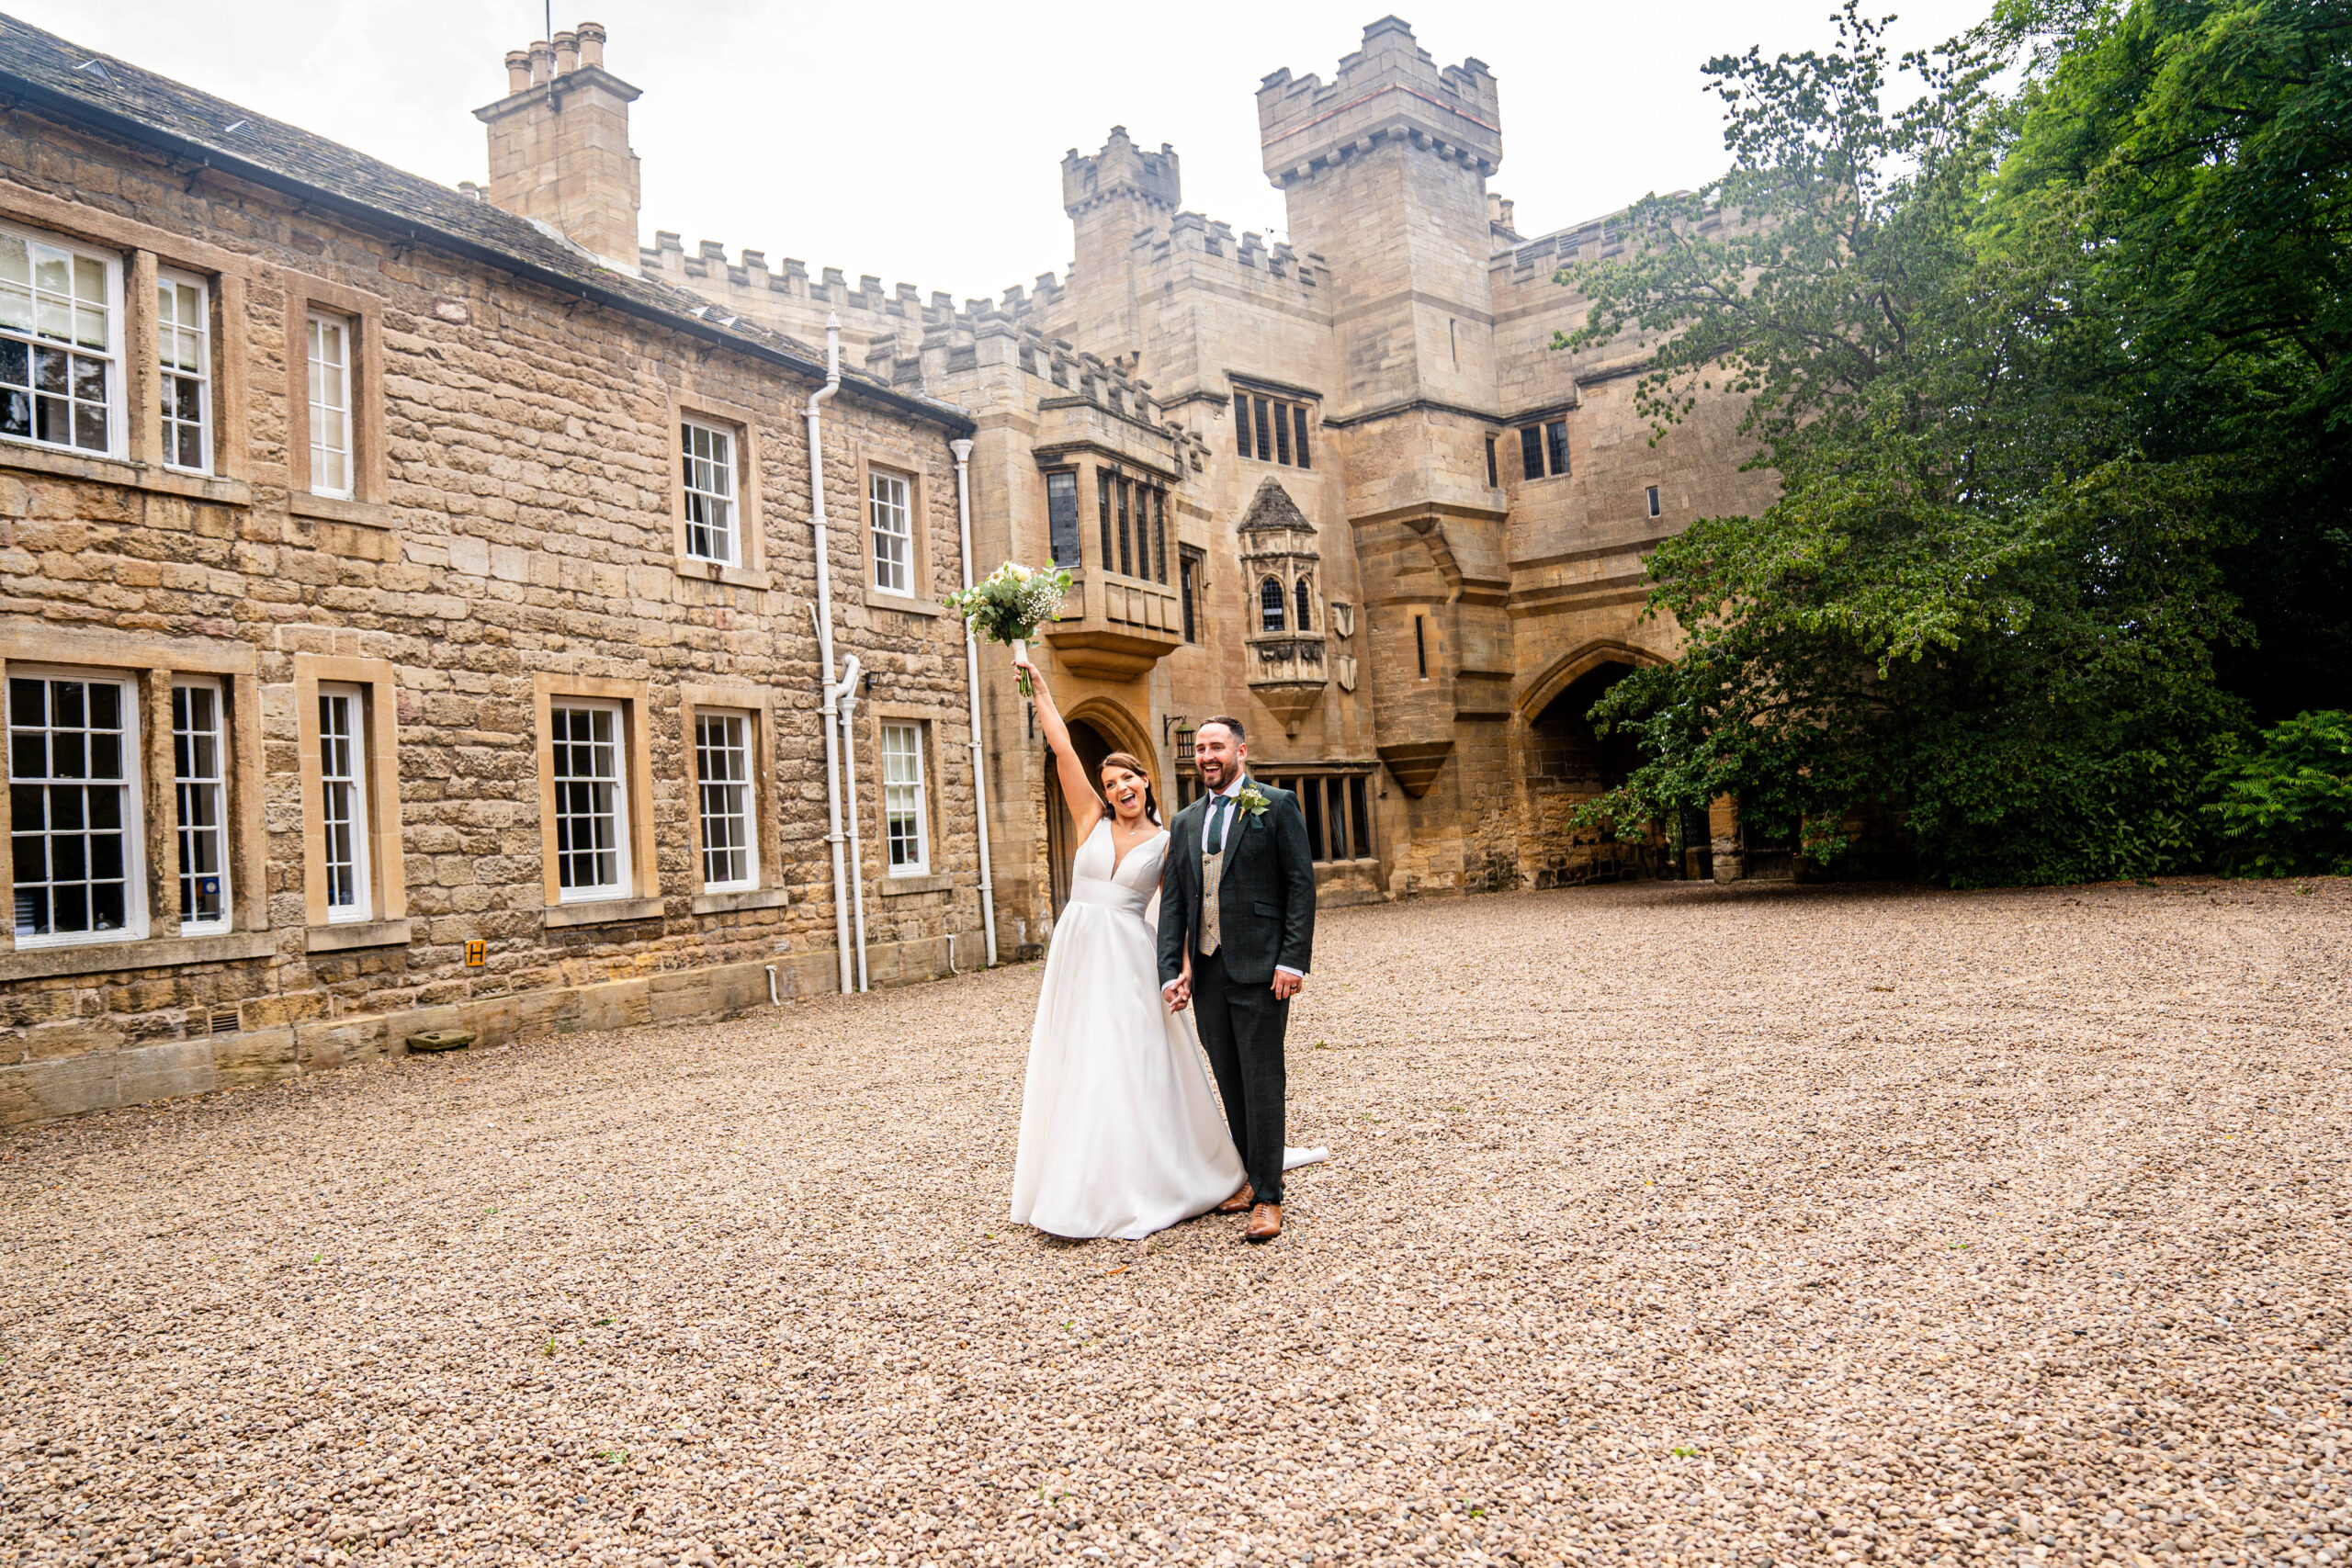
pixel 923 143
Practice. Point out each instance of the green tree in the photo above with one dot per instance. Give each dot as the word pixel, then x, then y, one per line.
pixel 1986 597
pixel 2206 146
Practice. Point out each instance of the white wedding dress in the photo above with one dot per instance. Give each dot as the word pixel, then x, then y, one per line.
pixel 1121 1132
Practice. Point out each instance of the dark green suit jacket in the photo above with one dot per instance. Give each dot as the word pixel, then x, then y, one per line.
pixel 1265 898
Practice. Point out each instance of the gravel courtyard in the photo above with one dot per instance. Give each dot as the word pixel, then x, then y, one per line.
pixel 1674 1223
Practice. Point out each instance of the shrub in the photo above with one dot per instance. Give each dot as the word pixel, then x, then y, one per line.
pixel 2285 810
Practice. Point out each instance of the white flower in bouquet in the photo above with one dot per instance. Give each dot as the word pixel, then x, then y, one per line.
pixel 1010 603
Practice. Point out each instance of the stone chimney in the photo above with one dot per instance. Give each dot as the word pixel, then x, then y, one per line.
pixel 559 144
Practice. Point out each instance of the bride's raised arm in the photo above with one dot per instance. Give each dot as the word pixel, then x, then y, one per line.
pixel 1084 800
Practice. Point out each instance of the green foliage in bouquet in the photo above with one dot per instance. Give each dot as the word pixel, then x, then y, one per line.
pixel 1011 602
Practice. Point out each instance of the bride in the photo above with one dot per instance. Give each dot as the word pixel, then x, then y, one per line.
pixel 1121 1135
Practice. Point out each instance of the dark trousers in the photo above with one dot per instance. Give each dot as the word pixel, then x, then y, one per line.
pixel 1241 1028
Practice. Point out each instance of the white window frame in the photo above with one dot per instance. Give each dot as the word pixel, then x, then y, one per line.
pixel 903 793
pixel 115 405
pixel 321 378
pixel 195 341
pixel 188 783
pixel 134 922
pixel 893 548
pixel 738 742
pixel 715 466
pixel 343 766
pixel 617 712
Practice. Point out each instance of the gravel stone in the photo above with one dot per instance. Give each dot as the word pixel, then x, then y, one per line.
pixel 1675 1225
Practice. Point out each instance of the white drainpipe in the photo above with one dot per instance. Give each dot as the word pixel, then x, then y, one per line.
pixel 822 611
pixel 963 450
pixel 849 798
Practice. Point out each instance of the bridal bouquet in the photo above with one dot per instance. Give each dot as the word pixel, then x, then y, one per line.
pixel 1010 603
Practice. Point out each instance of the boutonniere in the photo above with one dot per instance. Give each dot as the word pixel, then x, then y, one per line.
pixel 1249 800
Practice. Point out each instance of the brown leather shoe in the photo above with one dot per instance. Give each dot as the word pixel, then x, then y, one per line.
pixel 1239 1202
pixel 1265 1223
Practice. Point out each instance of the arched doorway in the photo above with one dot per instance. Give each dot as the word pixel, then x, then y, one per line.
pixel 1569 762
pixel 1061 824
pixel 1567 751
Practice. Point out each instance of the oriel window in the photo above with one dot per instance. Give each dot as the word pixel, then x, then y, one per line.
pixel 1187 573
pixel 1269 605
pixel 1061 517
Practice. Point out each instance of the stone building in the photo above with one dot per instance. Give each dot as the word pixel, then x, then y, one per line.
pixel 1403 536
pixel 406 569
pixel 386 574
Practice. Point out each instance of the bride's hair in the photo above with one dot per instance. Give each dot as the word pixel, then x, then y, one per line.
pixel 1127 761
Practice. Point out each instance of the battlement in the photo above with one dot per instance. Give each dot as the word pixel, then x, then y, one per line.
pixel 751 287
pixel 1121 169
pixel 1596 239
pixel 1202 242
pixel 1388 91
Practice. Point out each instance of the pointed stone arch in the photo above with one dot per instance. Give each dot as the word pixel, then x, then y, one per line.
pixel 1567 669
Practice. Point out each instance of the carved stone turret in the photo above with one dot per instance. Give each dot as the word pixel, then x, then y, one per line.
pixel 1280 559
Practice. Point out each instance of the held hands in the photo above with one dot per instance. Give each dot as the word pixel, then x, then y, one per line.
pixel 1286 985
pixel 1177 993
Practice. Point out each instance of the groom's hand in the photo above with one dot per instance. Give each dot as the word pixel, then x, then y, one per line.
pixel 1179 993
pixel 1286 985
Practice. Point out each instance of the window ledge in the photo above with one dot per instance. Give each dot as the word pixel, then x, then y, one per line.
pixel 748 898
pixel 904 604
pixel 601 912
pixel 155 952
pixel 899 887
pixel 29 459
pixel 335 509
pixel 717 572
pixel 356 934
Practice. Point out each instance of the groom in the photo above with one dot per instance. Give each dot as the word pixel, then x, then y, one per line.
pixel 1238 895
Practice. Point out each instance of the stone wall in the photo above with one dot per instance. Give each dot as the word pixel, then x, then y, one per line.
pixel 525 533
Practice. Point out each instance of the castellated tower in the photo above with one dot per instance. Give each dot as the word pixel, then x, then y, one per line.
pixel 1110 198
pixel 559 144
pixel 1383 170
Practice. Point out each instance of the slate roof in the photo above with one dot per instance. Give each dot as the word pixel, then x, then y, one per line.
pixel 116 95
pixel 1272 507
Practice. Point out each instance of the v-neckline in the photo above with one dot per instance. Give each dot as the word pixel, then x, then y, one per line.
pixel 1118 856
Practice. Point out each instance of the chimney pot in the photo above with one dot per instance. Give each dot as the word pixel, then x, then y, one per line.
pixel 567 54
pixel 542 62
pixel 518 70
pixel 591 44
